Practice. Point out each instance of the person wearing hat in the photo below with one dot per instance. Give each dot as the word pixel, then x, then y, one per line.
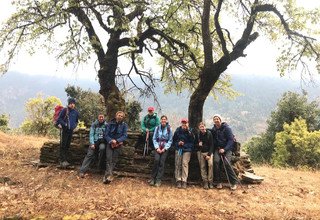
pixel 67 122
pixel 223 141
pixel 148 124
pixel 183 140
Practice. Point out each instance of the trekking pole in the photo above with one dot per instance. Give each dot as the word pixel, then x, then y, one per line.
pixel 146 145
pixel 225 170
pixel 233 171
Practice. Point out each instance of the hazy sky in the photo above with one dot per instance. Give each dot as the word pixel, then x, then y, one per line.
pixel 260 57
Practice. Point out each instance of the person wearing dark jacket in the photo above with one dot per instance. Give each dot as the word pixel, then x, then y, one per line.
pixel 97 145
pixel 67 122
pixel 204 147
pixel 183 140
pixel 223 141
pixel 116 134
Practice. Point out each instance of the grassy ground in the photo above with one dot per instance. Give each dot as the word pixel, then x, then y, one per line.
pixel 50 193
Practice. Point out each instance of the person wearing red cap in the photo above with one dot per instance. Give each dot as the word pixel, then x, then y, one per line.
pixel 183 140
pixel 148 124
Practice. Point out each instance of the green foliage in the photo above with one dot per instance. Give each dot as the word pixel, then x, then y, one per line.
pixel 296 146
pixel 4 122
pixel 289 107
pixel 133 109
pixel 40 112
pixel 89 104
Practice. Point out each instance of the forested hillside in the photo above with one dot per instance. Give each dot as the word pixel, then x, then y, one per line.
pixel 246 114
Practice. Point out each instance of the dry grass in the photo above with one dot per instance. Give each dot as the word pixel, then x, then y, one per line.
pixel 50 193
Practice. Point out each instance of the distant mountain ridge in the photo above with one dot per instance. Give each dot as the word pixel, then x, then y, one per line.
pixel 246 114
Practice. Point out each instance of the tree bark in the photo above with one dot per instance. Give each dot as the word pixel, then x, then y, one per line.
pixel 113 98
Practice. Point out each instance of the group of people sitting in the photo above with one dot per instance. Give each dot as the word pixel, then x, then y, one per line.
pixel 213 146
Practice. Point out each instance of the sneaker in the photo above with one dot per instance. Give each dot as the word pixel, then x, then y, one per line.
pixel 81 175
pixel 210 185
pixel 151 182
pixel 205 185
pixel 157 183
pixel 233 187
pixel 184 185
pixel 219 186
pixel 179 184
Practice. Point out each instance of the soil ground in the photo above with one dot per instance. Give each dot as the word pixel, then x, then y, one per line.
pixel 27 192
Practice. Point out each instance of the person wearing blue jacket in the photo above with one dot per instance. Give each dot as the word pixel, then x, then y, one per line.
pixel 223 141
pixel 97 145
pixel 183 141
pixel 67 122
pixel 116 134
pixel 162 140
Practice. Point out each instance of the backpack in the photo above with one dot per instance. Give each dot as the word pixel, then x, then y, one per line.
pixel 57 111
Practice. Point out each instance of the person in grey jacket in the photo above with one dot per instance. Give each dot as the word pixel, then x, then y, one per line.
pixel 97 145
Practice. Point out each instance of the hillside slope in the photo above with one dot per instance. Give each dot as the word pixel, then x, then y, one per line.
pixel 50 193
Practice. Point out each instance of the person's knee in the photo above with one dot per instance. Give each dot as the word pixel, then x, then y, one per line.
pixel 102 147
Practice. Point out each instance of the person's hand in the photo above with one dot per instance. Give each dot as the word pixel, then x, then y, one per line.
pixel 92 146
pixel 159 150
pixel 59 126
pixel 200 144
pixel 147 130
pixel 207 157
pixel 181 143
pixel 221 151
pixel 163 150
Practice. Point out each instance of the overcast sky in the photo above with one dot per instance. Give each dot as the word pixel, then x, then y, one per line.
pixel 260 57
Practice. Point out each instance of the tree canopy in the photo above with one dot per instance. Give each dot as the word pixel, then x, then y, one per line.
pixel 196 40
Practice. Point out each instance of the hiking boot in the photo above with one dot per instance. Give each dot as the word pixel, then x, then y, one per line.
pixel 205 185
pixel 184 185
pixel 233 187
pixel 179 184
pixel 210 185
pixel 151 182
pixel 106 179
pixel 81 175
pixel 219 186
pixel 157 183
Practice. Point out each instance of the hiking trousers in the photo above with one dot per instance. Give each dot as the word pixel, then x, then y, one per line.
pixel 66 136
pixel 182 166
pixel 159 164
pixel 206 174
pixel 218 167
pixel 100 150
pixel 112 156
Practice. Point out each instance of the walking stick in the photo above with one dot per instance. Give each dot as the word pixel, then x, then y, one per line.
pixel 146 145
pixel 225 169
pixel 233 171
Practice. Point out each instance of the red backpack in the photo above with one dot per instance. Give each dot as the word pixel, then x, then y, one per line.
pixel 57 111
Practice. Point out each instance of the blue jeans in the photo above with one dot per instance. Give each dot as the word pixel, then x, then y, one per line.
pixel 100 149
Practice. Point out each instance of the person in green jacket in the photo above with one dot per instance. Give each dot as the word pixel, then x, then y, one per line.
pixel 148 124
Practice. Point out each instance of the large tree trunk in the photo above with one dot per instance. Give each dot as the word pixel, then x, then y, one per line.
pixel 113 98
pixel 199 96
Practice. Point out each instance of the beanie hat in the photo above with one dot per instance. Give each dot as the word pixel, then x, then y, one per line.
pixel 218 116
pixel 71 100
pixel 151 108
